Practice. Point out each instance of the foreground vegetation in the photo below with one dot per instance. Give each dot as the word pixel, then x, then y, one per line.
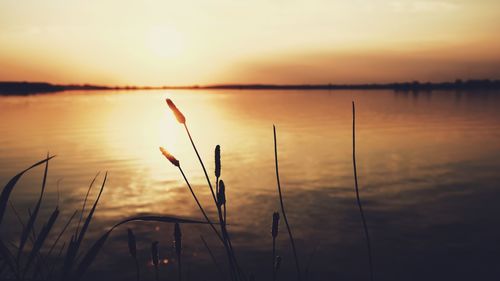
pixel 34 258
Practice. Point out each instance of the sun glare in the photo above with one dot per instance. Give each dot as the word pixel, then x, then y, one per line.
pixel 165 42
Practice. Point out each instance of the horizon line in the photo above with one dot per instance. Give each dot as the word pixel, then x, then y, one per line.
pixel 26 87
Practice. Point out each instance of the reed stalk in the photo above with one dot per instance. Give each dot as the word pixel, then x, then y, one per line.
pixel 212 256
pixel 222 238
pixel 132 248
pixel 274 234
pixel 155 257
pixel 283 212
pixel 365 227
pixel 178 248
pixel 227 243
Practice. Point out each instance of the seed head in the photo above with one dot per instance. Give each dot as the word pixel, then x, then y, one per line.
pixel 170 157
pixel 276 221
pixel 178 114
pixel 221 196
pixel 217 161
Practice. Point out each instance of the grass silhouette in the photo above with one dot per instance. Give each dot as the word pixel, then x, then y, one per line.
pixel 37 258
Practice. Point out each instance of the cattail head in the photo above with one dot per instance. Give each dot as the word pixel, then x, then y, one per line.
pixel 132 248
pixel 217 161
pixel 177 239
pixel 277 263
pixel 170 157
pixel 276 221
pixel 155 255
pixel 178 114
pixel 221 196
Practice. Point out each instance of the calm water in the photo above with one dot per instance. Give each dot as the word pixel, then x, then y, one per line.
pixel 428 169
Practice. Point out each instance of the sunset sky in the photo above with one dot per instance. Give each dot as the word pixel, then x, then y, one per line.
pixel 120 42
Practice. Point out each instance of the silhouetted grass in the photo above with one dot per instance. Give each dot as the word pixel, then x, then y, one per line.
pixel 283 212
pixel 358 200
pixel 75 262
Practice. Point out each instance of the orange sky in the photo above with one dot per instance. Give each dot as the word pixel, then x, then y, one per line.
pixel 160 42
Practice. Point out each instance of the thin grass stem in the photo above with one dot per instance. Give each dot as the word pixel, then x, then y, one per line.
pixel 365 227
pixel 283 208
pixel 201 162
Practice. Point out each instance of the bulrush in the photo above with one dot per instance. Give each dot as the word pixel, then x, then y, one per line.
pixel 276 221
pixel 170 157
pixel 178 247
pixel 217 161
pixel 178 114
pixel 221 196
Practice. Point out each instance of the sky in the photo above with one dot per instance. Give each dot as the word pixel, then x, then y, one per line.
pixel 164 42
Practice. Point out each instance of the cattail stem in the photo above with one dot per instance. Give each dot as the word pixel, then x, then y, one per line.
pixel 178 248
pixel 228 245
pixel 156 259
pixel 274 234
pixel 221 238
pixel 212 257
pixel 274 259
pixel 283 207
pixel 201 162
pixel 138 274
pixel 199 205
pixel 368 244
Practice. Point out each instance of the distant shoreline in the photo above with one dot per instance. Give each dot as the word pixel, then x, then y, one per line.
pixel 29 88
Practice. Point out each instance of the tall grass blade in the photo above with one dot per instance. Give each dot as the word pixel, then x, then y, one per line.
pixel 84 203
pixel 41 238
pixel 365 227
pixel 212 256
pixel 92 253
pixel 60 234
pixel 8 258
pixel 91 213
pixel 299 276
pixel 4 197
pixel 31 222
pixel 76 240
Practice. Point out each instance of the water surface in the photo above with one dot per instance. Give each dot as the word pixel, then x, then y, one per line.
pixel 427 163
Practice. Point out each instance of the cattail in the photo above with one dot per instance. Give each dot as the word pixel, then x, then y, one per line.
pixel 170 157
pixel 221 196
pixel 217 161
pixel 178 114
pixel 155 256
pixel 177 239
pixel 132 248
pixel 276 220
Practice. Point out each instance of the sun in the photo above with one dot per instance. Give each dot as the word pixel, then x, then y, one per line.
pixel 165 42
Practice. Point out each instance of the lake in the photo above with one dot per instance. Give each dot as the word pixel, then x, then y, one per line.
pixel 428 169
